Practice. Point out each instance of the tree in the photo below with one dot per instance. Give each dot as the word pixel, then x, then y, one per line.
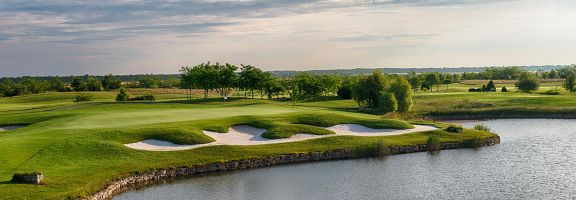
pixel 109 83
pixel 250 79
pixel 570 82
pixel 76 82
pixel 369 89
pixel 403 93
pixel 415 80
pixel 345 90
pixel 387 102
pixel 149 82
pixel 56 84
pixel 273 87
pixel 447 81
pixel 490 87
pixel 306 85
pixel 504 89
pixel 329 84
pixel 432 79
pixel 94 84
pixel 122 95
pixel 527 83
pixel 225 78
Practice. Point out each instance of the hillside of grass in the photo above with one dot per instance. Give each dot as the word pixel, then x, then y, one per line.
pixel 79 147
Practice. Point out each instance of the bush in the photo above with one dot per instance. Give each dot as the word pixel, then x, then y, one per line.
pixel 143 98
pixel 504 89
pixel 345 92
pixel 475 90
pixel 552 92
pixel 403 93
pixel 490 87
pixel 455 129
pixel 387 103
pixel 527 83
pixel 122 96
pixel 82 98
pixel 481 127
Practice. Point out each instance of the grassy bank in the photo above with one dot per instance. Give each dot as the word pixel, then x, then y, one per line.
pixel 79 146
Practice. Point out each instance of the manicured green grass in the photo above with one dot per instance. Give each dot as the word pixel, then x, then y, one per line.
pixel 79 147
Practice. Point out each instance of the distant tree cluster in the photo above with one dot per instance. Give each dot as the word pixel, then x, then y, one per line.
pixel 383 92
pixel 494 73
pixel 33 85
pixel 490 87
pixel 224 78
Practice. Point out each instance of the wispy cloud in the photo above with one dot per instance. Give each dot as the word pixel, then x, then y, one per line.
pixel 96 20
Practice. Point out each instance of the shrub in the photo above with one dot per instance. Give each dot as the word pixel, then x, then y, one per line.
pixel 122 96
pixel 481 127
pixel 345 93
pixel 527 83
pixel 403 93
pixel 82 98
pixel 475 90
pixel 504 89
pixel 552 92
pixel 455 129
pixel 387 103
pixel 26 178
pixel 490 87
pixel 143 98
pixel 570 83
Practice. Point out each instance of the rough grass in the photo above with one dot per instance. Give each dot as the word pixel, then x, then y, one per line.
pixel 286 131
pixel 174 135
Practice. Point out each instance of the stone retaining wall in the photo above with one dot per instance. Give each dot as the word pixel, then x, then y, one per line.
pixel 122 184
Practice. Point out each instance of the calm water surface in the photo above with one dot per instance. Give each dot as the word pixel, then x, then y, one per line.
pixel 536 160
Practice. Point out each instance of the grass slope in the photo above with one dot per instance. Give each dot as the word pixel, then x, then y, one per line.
pixel 79 147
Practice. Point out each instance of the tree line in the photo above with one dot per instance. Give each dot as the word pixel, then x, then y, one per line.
pixel 386 93
pixel 34 85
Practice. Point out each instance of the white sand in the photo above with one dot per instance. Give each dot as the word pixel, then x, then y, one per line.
pixel 7 128
pixel 247 135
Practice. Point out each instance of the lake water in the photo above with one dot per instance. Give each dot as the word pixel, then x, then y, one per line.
pixel 536 160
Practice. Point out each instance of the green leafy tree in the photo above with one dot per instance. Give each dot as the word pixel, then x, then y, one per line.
pixel 527 82
pixel 76 82
pixel 431 80
pixel 250 79
pixel 329 84
pixel 57 85
pixel 345 90
pixel 570 82
pixel 94 84
pixel 387 102
pixel 403 93
pixel 226 78
pixel 149 82
pixel 415 80
pixel 109 83
pixel 273 87
pixel 369 89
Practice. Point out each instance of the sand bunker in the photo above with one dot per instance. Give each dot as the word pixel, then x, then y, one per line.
pixel 7 128
pixel 247 135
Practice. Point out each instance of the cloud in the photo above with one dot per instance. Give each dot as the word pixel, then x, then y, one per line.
pixel 96 20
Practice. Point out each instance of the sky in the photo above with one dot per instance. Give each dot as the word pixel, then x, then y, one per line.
pixel 66 37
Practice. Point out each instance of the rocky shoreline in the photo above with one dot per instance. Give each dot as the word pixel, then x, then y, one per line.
pixel 159 175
